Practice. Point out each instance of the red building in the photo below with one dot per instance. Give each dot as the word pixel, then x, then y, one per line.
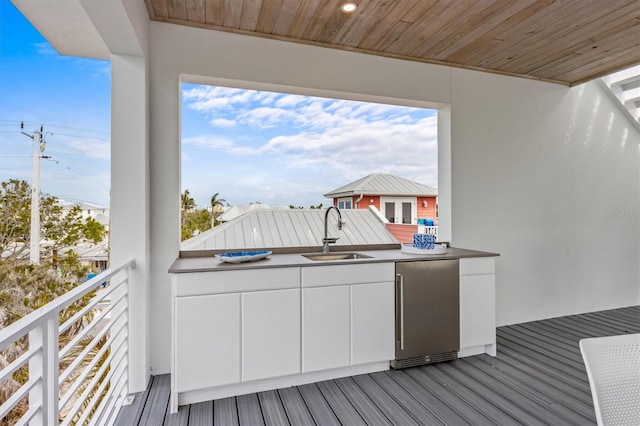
pixel 405 204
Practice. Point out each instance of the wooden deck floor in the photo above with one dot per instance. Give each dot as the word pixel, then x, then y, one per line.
pixel 537 378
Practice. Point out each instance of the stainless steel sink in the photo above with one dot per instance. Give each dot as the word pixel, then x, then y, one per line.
pixel 335 256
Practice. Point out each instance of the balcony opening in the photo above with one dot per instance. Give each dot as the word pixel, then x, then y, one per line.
pixel 245 151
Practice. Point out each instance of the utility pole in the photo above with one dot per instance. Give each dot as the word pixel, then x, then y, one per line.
pixel 38 149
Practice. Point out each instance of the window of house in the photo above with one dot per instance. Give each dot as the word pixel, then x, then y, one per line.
pixel 344 203
pixel 248 150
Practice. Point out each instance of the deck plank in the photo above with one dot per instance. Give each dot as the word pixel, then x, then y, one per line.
pixel 318 406
pixel 445 395
pixel 201 414
pixel 295 407
pixel 368 410
pixel 339 403
pixel 503 402
pixel 129 415
pixel 272 409
pixel 249 411
pixel 538 377
pixel 384 401
pixel 419 412
pixel 555 402
pixel 158 401
pixel 181 418
pixel 466 394
pixel 425 397
pixel 225 412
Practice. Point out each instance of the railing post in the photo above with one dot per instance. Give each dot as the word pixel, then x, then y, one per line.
pixel 45 367
pixel 124 336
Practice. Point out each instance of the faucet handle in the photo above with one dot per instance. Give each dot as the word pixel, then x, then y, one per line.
pixel 330 240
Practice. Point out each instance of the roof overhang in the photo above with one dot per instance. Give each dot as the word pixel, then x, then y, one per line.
pixel 87 28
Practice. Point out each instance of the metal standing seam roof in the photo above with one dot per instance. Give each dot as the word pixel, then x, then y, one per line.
pixel 291 228
pixel 383 184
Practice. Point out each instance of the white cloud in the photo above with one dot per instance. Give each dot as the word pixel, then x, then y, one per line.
pixel 91 148
pixel 217 143
pixel 223 122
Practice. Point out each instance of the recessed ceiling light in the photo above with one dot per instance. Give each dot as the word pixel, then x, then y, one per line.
pixel 348 7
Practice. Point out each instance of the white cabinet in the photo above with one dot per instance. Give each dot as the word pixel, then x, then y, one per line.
pixel 477 306
pixel 372 322
pixel 325 328
pixel 207 341
pixel 270 334
pixel 231 327
pixel 347 315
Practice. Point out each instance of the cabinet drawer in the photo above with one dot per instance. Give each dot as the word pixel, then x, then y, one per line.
pixel 322 276
pixel 198 283
pixel 477 266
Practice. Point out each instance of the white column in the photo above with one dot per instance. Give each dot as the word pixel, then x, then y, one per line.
pixel 129 233
pixel 445 226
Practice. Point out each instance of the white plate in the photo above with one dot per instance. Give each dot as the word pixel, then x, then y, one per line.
pixel 242 256
pixel 409 248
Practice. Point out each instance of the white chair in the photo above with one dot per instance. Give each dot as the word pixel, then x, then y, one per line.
pixel 613 367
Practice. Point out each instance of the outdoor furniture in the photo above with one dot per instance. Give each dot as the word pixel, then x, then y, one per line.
pixel 613 367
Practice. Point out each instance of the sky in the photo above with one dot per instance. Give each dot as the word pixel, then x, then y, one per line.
pixel 69 97
pixel 247 146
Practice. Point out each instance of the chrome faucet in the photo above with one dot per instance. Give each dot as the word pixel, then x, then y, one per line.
pixel 326 240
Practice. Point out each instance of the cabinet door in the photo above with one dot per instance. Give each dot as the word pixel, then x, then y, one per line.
pixel 270 334
pixel 477 310
pixel 207 341
pixel 372 323
pixel 325 328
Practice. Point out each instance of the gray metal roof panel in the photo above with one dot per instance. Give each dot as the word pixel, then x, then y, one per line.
pixel 291 228
pixel 383 184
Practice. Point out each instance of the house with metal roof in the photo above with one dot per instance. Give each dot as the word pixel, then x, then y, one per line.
pixel 279 228
pixel 406 205
pixel 401 200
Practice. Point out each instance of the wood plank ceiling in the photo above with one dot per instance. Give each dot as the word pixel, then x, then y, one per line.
pixel 562 41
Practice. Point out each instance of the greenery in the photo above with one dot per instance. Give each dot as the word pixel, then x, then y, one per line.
pixel 26 287
pixel 319 206
pixel 58 228
pixel 196 220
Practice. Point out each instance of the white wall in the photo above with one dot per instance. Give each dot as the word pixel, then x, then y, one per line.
pixel 533 167
pixel 538 170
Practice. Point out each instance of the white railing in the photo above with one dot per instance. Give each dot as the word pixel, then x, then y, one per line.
pixel 84 381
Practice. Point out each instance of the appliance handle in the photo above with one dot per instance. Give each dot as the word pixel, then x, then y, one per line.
pixel 400 281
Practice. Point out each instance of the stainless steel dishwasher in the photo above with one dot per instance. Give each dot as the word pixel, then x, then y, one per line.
pixel 427 312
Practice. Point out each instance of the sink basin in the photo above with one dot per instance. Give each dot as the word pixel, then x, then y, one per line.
pixel 335 256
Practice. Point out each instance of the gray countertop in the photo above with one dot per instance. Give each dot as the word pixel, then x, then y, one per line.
pixel 211 264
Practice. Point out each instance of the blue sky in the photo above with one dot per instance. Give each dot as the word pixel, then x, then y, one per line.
pixel 69 96
pixel 249 146
pixel 283 149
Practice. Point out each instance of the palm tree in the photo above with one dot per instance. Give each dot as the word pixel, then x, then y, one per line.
pixel 186 203
pixel 216 202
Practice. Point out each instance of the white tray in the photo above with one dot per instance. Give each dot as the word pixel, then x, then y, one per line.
pixel 409 248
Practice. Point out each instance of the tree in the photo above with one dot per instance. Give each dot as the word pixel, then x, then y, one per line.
pixel 187 203
pixel 195 221
pixel 216 202
pixel 57 227
pixel 15 211
pixel 25 287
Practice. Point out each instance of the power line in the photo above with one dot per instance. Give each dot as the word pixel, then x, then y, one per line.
pixel 49 125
